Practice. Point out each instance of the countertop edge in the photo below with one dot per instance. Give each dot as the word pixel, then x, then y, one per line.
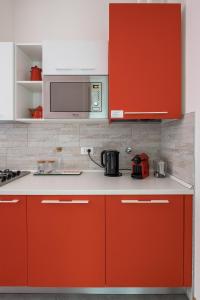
pixel 100 192
pixel 90 183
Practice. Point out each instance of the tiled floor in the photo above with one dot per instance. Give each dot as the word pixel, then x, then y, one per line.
pixel 89 297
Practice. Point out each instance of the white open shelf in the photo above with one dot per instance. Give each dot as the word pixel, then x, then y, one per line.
pixel 28 94
pixel 34 86
pixel 26 99
pixel 27 56
pixel 30 120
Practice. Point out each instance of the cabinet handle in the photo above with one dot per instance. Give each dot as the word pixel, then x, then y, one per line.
pixel 145 112
pixel 65 201
pixel 87 69
pixel 75 69
pixel 9 201
pixel 67 69
pixel 145 201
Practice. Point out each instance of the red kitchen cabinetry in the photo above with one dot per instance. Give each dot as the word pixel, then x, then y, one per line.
pixel 144 61
pixel 96 241
pixel 148 243
pixel 13 250
pixel 66 241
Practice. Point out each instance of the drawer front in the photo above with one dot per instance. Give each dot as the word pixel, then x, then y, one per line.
pixel 13 249
pixel 146 233
pixel 66 241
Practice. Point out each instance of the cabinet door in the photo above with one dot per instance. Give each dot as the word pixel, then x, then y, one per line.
pixel 13 258
pixel 144 241
pixel 145 61
pixel 6 81
pixel 75 58
pixel 66 241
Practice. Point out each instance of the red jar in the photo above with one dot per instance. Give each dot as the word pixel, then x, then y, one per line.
pixel 36 73
pixel 36 113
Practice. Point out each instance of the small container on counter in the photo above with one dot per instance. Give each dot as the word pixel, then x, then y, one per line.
pixel 160 168
pixel 59 158
pixel 51 165
pixel 41 166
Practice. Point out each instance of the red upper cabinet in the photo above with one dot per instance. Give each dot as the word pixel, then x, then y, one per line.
pixel 13 250
pixel 145 241
pixel 145 61
pixel 66 241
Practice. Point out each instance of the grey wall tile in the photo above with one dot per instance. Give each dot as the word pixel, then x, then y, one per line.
pixel 19 158
pixel 38 141
pixel 100 135
pixel 13 135
pixel 3 158
pixel 68 135
pixel 44 135
pixel 177 147
pixel 21 145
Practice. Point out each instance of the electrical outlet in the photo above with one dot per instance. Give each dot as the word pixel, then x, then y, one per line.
pixel 84 150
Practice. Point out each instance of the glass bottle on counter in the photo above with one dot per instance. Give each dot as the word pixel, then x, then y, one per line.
pixel 59 159
pixel 41 166
pixel 50 166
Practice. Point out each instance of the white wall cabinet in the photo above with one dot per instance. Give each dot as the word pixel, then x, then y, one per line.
pixel 18 94
pixel 75 58
pixel 6 81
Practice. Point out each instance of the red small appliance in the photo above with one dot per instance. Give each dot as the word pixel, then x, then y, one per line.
pixel 36 73
pixel 140 166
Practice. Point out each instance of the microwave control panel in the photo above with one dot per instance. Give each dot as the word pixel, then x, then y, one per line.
pixel 96 96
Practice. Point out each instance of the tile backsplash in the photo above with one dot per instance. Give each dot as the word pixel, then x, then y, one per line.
pixel 21 145
pixel 177 147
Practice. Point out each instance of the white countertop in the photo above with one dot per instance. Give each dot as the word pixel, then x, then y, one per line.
pixel 93 183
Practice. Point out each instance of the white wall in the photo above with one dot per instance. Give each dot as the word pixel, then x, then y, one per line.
pixel 37 20
pixel 6 20
pixel 193 104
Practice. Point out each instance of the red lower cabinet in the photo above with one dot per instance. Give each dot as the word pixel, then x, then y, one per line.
pixel 145 241
pixel 96 241
pixel 13 250
pixel 66 241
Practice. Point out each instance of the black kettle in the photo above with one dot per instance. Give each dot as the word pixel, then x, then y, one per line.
pixel 110 161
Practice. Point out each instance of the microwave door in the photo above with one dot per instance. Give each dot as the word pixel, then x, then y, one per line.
pixel 70 98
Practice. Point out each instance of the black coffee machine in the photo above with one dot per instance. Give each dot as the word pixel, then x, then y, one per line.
pixel 110 161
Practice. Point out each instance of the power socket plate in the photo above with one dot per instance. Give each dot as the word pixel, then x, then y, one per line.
pixel 84 150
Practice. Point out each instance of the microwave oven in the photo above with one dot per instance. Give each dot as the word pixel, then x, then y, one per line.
pixel 75 96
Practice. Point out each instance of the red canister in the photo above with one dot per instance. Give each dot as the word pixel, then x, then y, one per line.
pixel 36 113
pixel 36 73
